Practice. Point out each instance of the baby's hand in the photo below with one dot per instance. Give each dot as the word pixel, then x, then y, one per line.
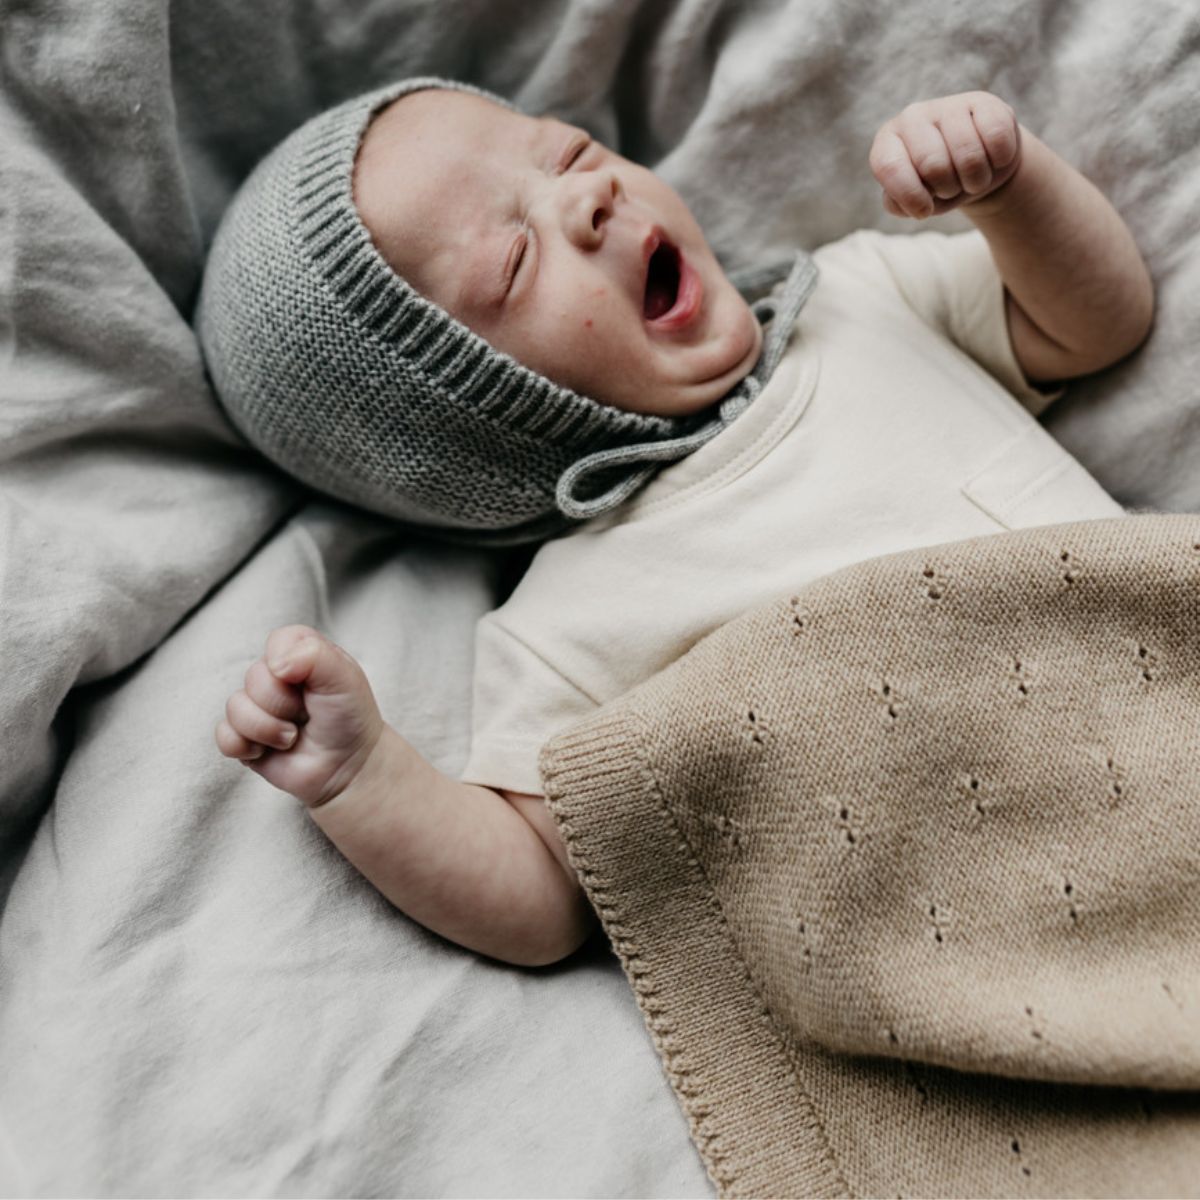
pixel 306 720
pixel 938 154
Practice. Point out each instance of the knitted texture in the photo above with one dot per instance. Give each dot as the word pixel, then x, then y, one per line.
pixel 896 863
pixel 351 381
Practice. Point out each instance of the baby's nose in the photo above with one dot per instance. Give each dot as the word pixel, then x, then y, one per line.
pixel 591 203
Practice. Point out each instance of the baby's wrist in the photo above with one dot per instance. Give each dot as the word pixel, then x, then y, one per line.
pixel 350 769
pixel 381 759
pixel 1013 194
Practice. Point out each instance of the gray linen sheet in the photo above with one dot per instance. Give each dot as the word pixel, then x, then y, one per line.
pixel 197 996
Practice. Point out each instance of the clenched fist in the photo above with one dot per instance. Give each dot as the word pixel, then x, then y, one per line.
pixel 939 154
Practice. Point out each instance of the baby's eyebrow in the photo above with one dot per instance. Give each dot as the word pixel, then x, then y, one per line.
pixel 481 279
pixel 553 134
pixel 481 283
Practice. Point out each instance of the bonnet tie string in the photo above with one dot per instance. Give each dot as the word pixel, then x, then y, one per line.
pixel 782 312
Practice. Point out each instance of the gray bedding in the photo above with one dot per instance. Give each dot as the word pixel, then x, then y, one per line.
pixel 197 996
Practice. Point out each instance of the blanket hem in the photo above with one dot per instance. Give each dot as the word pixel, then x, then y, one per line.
pixel 603 758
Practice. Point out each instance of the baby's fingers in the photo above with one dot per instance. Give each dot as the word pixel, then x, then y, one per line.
pixel 254 724
pixel 998 129
pixel 894 169
pixel 233 745
pixel 966 149
pixel 928 152
pixel 272 695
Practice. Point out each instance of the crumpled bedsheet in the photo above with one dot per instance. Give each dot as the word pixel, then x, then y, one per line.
pixel 197 996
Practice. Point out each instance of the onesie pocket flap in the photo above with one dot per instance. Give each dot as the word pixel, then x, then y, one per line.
pixel 1032 480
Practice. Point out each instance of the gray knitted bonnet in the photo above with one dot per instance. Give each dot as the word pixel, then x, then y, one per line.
pixel 351 381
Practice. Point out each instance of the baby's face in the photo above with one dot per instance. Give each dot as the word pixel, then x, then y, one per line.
pixel 575 261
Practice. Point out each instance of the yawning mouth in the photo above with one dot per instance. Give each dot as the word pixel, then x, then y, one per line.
pixel 662 281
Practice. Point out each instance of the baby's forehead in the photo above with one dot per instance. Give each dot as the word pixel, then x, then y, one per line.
pixel 430 119
pixel 423 131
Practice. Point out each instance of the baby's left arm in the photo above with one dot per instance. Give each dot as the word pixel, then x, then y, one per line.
pixel 1078 294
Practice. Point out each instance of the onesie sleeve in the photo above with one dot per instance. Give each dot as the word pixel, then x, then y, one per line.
pixel 519 701
pixel 951 281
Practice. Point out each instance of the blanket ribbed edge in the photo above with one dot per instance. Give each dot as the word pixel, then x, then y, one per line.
pixel 700 1004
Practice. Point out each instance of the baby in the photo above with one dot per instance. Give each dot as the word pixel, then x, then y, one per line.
pixel 492 326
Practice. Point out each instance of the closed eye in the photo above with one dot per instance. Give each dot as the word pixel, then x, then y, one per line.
pixel 574 149
pixel 517 255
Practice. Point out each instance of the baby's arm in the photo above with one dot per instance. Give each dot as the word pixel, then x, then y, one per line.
pixel 1079 295
pixel 482 869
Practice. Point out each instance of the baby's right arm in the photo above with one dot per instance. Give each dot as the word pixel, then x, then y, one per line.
pixel 484 869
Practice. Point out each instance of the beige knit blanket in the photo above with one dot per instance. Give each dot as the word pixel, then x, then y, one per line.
pixel 903 870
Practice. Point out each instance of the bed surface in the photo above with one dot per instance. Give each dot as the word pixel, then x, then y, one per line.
pixel 197 995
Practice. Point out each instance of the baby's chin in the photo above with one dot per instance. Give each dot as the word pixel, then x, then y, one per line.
pixel 737 352
pixel 736 361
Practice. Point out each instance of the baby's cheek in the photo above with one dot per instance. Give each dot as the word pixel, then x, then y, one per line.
pixel 602 352
pixel 590 320
pixel 598 297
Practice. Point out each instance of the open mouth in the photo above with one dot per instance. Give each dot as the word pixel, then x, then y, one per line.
pixel 662 282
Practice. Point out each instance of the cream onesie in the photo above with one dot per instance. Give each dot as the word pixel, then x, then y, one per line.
pixel 898 417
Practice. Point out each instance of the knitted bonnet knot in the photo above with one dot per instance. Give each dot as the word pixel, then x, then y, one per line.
pixel 347 378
